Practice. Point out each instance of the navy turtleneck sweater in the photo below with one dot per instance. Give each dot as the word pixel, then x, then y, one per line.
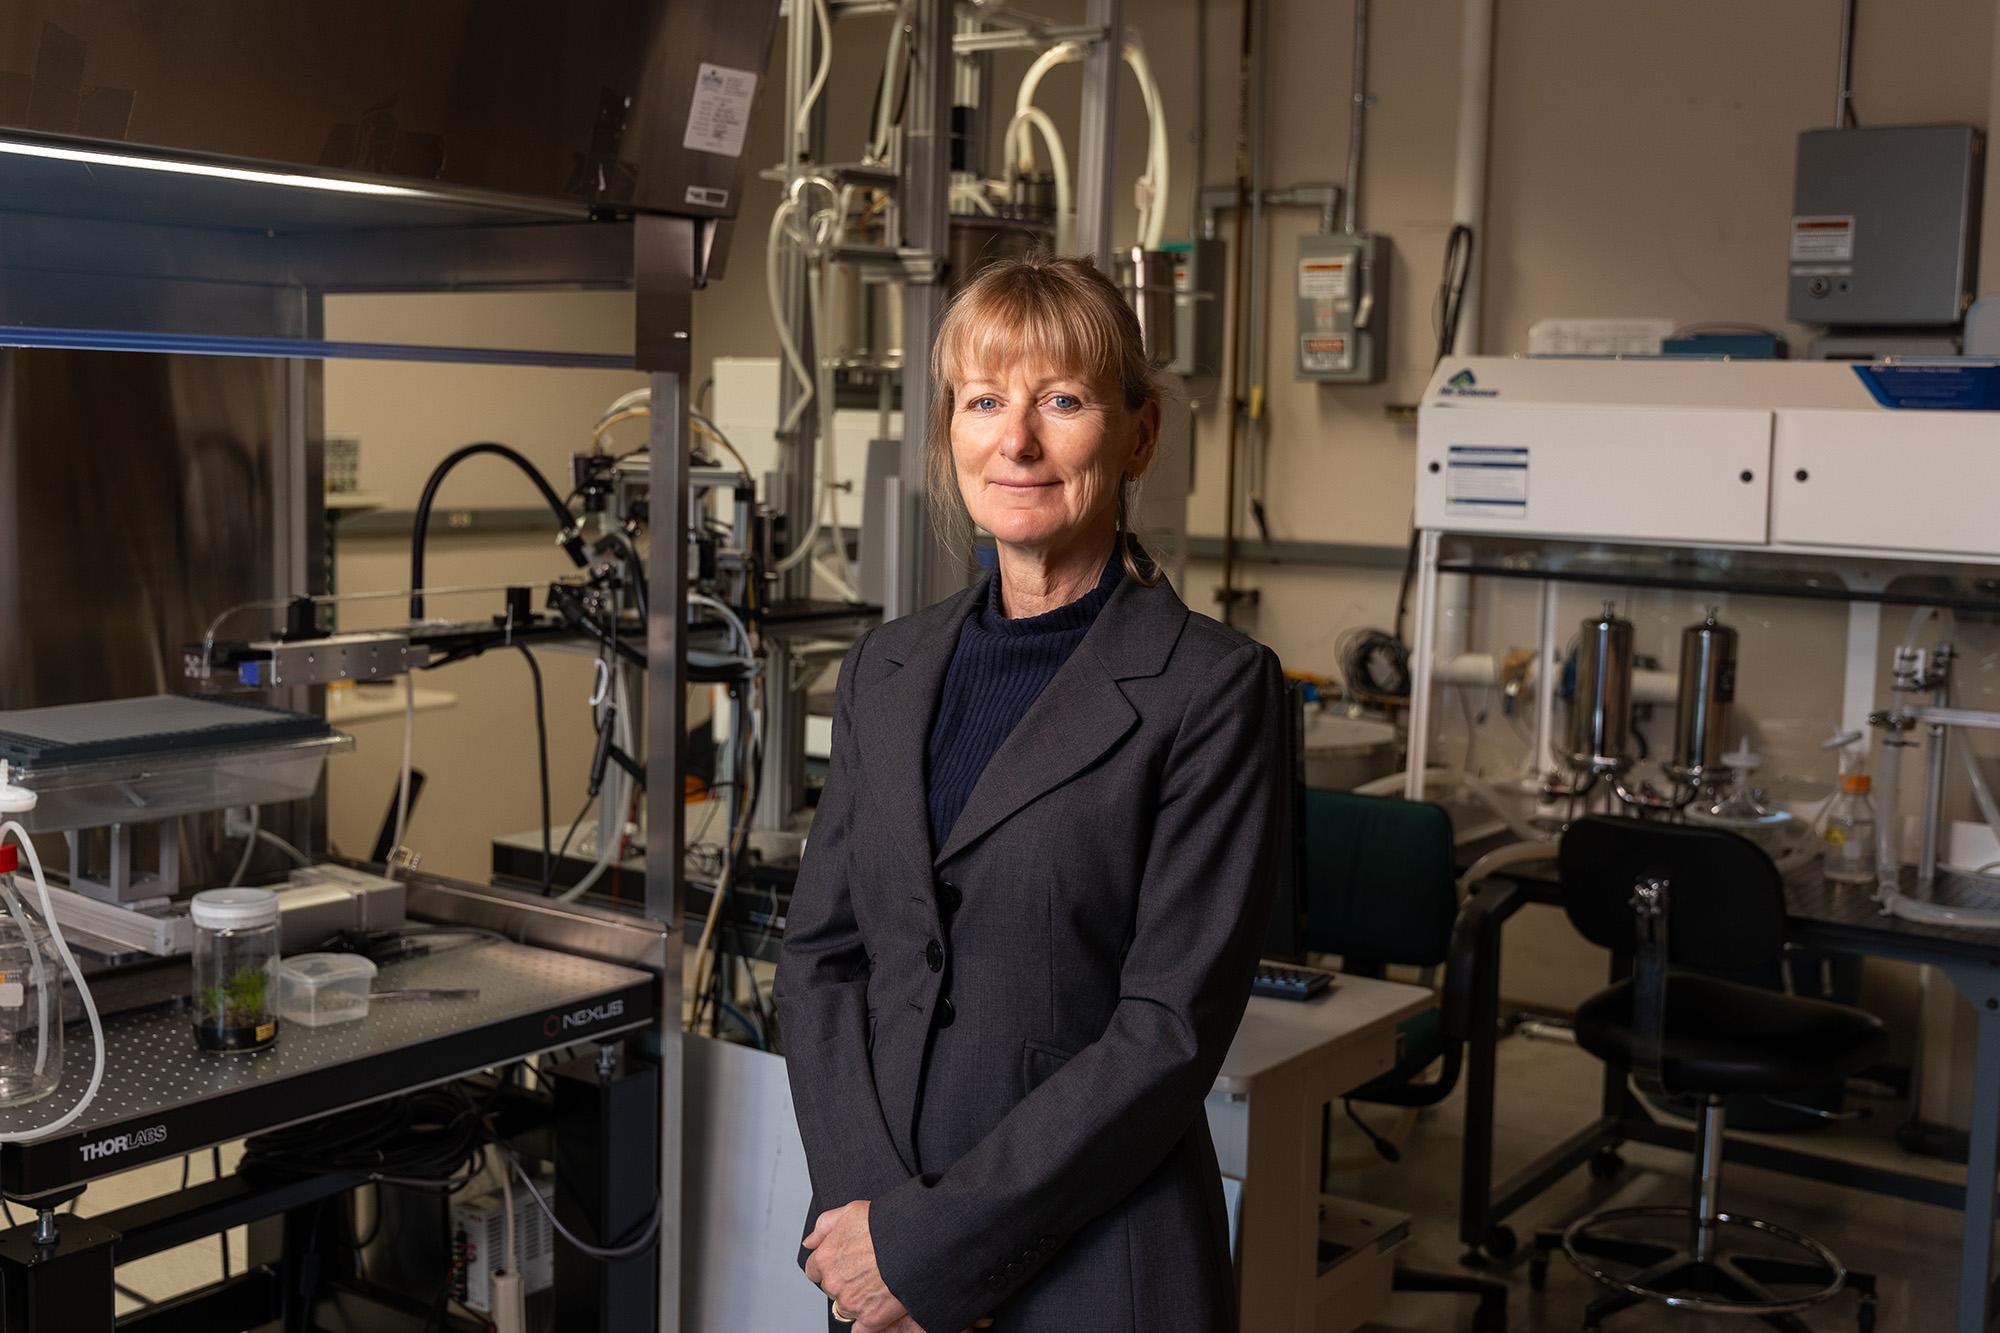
pixel 999 667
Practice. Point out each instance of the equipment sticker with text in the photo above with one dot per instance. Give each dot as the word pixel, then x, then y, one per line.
pixel 720 114
pixel 1827 239
pixel 1488 479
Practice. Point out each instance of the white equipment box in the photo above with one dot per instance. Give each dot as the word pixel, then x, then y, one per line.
pixel 1805 455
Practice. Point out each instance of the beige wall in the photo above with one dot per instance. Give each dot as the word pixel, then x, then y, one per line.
pixel 1641 161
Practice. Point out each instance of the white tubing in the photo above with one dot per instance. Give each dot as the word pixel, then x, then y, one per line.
pixel 1393 782
pixel 1153 211
pixel 403 785
pixel 1058 162
pixel 249 846
pixel 13 829
pixel 1513 854
pixel 1153 184
pixel 825 20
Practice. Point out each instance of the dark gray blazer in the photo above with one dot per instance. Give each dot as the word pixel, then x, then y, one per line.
pixel 1005 1042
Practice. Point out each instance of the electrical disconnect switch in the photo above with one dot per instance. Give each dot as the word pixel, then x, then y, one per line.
pixel 1343 304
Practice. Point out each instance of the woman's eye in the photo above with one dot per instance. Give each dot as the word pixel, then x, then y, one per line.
pixel 1065 402
pixel 983 403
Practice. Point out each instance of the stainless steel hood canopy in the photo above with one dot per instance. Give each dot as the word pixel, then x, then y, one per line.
pixel 606 105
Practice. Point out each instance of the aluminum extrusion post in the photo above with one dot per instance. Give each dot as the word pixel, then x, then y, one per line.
pixel 665 269
pixel 1097 135
pixel 915 570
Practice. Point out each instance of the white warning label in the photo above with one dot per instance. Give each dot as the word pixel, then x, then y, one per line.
pixel 1487 479
pixel 720 114
pixel 1323 279
pixel 1827 239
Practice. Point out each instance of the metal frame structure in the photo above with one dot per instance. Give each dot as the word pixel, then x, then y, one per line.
pixel 943 33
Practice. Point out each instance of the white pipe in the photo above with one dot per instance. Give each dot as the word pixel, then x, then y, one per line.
pixel 1480 670
pixel 1468 186
pixel 1468 206
pixel 1513 854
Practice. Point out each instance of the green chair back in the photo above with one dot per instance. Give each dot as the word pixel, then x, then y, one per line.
pixel 1381 883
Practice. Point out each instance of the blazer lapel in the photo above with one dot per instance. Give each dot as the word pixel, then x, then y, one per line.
pixel 893 723
pixel 1079 716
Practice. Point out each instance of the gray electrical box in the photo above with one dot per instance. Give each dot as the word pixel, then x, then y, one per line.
pixel 1342 289
pixel 1199 274
pixel 1885 226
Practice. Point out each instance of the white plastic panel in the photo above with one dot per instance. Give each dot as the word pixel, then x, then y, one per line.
pixel 1662 474
pixel 1907 481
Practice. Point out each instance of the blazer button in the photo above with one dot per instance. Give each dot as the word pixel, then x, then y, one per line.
pixel 934 955
pixel 950 897
pixel 947 1013
pixel 1046 1243
pixel 994 1282
pixel 1013 1270
pixel 1027 1257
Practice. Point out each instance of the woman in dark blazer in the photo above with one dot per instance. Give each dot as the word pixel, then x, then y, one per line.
pixel 1030 906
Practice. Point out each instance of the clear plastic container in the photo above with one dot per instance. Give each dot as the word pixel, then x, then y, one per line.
pixel 1850 833
pixel 321 989
pixel 31 997
pixel 235 968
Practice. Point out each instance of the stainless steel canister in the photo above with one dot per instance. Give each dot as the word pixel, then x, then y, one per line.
pixel 1148 279
pixel 1707 688
pixel 1601 713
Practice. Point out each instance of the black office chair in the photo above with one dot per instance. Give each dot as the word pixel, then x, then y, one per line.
pixel 1380 891
pixel 1701 913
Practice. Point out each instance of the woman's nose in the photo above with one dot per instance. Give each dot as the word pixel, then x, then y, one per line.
pixel 1017 437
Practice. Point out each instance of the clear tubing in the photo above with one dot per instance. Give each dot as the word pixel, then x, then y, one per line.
pixel 13 829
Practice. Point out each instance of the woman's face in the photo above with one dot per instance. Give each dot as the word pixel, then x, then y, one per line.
pixel 1040 454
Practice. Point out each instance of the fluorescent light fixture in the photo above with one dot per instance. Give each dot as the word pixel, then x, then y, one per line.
pixel 98 158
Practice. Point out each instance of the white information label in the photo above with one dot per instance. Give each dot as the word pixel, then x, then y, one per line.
pixel 1324 351
pixel 720 115
pixel 1487 479
pixel 1823 239
pixel 1323 279
pixel 13 995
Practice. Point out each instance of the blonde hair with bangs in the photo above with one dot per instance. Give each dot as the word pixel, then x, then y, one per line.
pixel 1060 313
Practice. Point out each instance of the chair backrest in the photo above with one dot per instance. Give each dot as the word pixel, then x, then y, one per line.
pixel 1726 901
pixel 1381 885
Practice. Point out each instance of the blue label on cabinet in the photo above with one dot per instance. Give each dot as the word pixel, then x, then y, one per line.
pixel 1934 388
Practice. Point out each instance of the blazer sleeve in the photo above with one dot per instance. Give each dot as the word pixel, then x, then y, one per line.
pixel 954 1245
pixel 822 994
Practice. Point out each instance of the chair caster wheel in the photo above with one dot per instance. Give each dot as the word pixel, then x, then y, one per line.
pixel 1501 1242
pixel 1606 1164
pixel 1864 1318
pixel 1538 1273
pixel 1490 1319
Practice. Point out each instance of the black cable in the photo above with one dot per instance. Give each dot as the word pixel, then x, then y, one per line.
pixel 575 825
pixel 1389 1152
pixel 1450 304
pixel 1452 282
pixel 542 749
pixel 565 523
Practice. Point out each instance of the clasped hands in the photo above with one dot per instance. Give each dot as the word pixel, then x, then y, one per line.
pixel 843 1266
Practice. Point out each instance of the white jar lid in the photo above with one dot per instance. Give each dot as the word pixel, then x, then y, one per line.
pixel 234 909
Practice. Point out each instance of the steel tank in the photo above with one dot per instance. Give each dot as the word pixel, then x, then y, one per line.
pixel 1600 729
pixel 1702 708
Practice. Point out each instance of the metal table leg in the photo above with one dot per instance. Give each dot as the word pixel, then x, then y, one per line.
pixel 1981 986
